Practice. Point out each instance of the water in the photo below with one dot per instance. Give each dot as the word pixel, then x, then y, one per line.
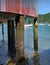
pixel 43 43
pixel 43 37
pixel 3 46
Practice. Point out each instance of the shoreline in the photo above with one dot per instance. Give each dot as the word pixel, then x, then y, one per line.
pixel 28 25
pixel 44 24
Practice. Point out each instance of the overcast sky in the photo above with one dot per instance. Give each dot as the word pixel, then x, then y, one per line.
pixel 43 6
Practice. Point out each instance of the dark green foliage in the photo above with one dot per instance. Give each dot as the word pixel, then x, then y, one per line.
pixel 29 20
pixel 44 18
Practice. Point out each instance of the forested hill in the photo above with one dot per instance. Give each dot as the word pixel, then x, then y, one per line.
pixel 44 18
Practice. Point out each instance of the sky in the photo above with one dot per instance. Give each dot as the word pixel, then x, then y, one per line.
pixel 43 6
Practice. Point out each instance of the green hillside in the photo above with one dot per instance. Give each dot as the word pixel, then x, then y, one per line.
pixel 29 20
pixel 44 18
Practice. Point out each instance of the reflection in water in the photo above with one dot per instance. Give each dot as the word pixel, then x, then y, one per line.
pixel 1 44
pixel 34 61
pixel 44 36
pixel 3 53
pixel 22 63
pixel 30 61
pixel 37 60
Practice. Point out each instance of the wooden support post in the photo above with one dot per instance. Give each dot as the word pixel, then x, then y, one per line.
pixel 11 38
pixel 2 32
pixel 19 36
pixel 35 37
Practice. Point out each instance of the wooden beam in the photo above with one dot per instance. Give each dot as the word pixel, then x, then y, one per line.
pixel 35 37
pixel 19 36
pixel 11 38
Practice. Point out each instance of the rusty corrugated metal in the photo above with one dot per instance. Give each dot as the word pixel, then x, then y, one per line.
pixel 26 7
pixel 0 5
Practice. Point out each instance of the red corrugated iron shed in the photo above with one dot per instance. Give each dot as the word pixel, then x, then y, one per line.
pixel 24 7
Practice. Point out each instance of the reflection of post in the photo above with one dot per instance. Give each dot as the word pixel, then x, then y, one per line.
pixel 11 38
pixel 35 37
pixel 2 32
pixel 19 37
pixel 36 60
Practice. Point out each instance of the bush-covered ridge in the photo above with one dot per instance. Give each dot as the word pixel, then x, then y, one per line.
pixel 44 18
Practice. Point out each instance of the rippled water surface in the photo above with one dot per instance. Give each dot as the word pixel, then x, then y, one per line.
pixel 43 43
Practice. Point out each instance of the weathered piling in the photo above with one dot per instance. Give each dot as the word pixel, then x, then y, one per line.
pixel 2 32
pixel 35 37
pixel 11 38
pixel 19 36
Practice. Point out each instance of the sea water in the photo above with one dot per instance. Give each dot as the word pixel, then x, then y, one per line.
pixel 43 43
pixel 43 38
